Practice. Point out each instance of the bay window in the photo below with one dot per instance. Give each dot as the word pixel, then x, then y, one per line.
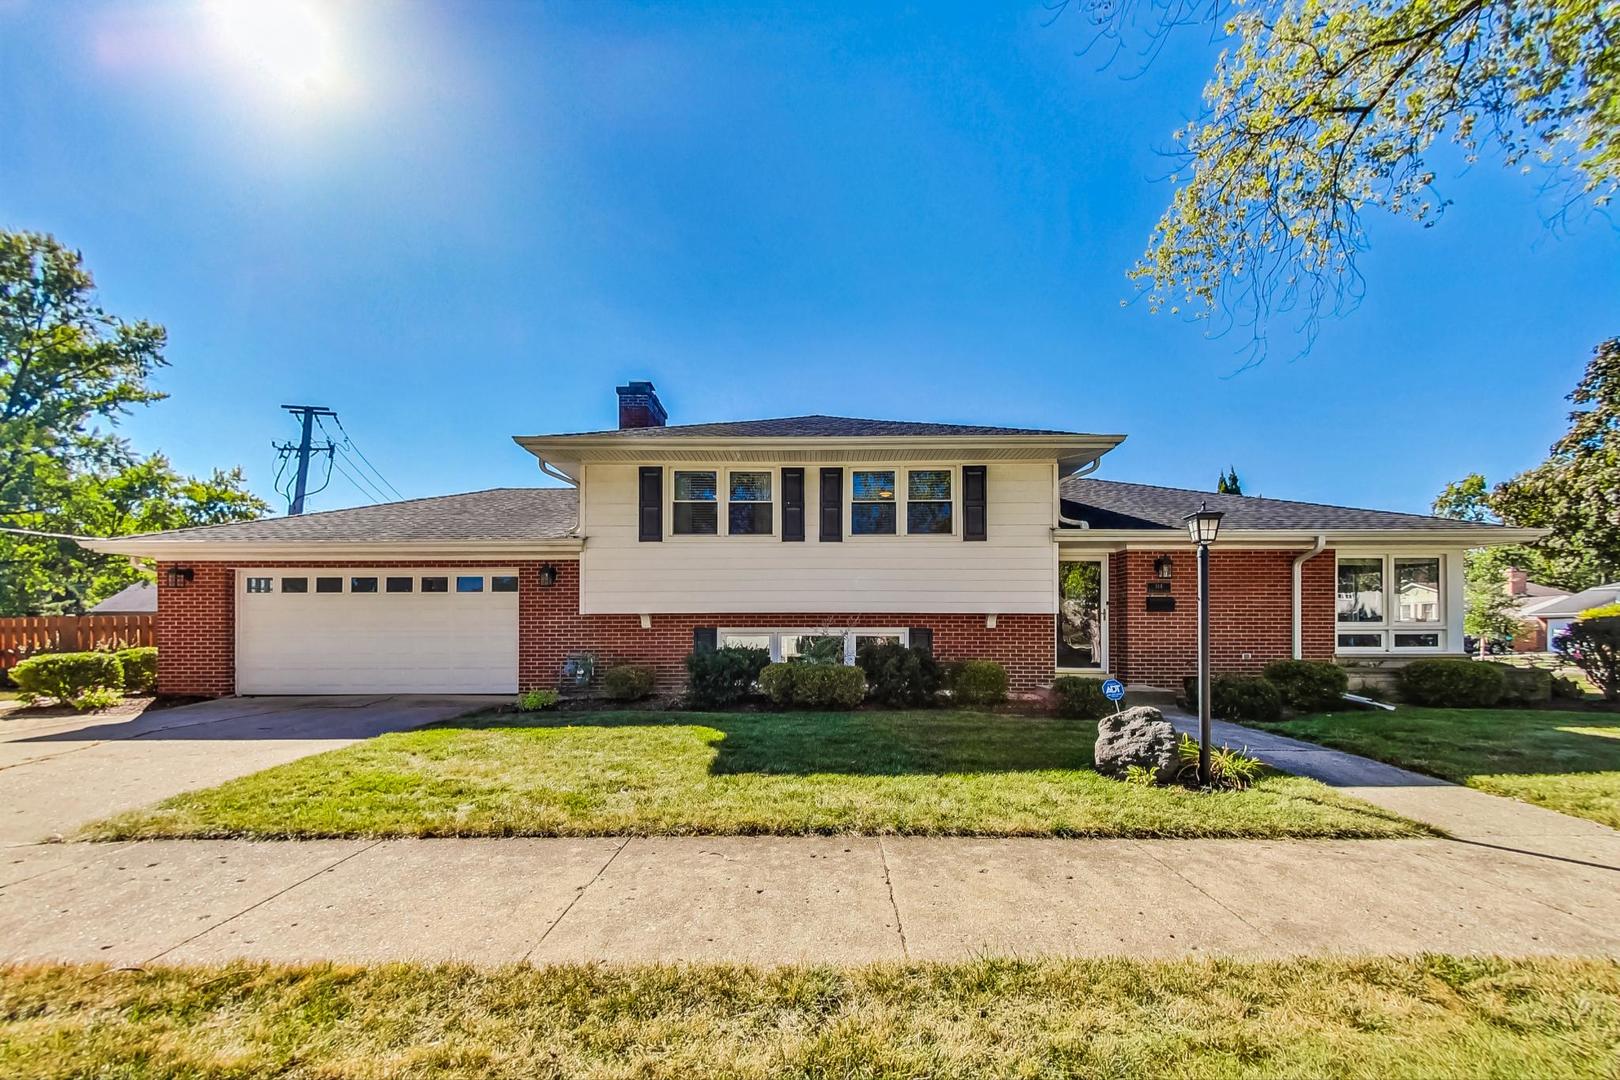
pixel 1390 603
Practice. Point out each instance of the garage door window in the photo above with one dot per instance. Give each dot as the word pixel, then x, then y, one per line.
pixel 259 584
pixel 295 584
pixel 362 584
pixel 401 584
pixel 328 584
pixel 469 584
pixel 435 584
pixel 503 583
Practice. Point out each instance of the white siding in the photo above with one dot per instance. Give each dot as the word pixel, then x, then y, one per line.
pixel 1013 572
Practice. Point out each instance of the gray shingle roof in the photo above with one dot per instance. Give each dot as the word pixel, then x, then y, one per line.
pixel 1111 504
pixel 790 427
pixel 1561 606
pixel 496 514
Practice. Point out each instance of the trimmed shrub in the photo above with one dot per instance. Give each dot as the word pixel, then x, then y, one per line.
pixel 1080 698
pixel 1594 647
pixel 1525 685
pixel 537 700
pixel 1242 699
pixel 84 680
pixel 899 676
pixel 1308 685
pixel 828 686
pixel 140 668
pixel 979 682
pixel 1567 689
pixel 721 677
pixel 628 682
pixel 1451 684
pixel 776 683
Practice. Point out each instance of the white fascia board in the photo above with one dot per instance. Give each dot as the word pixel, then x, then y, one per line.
pixel 1158 540
pixel 329 550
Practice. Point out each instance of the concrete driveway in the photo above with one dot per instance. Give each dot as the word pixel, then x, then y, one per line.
pixel 59 773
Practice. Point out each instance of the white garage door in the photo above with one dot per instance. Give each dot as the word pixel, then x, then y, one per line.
pixel 360 631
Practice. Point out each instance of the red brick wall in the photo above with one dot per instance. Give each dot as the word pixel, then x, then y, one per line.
pixel 196 630
pixel 1251 613
pixel 551 627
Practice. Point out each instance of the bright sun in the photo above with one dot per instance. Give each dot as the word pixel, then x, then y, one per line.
pixel 288 48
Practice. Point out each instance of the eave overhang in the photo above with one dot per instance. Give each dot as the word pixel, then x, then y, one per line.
pixel 1288 539
pixel 332 550
pixel 569 452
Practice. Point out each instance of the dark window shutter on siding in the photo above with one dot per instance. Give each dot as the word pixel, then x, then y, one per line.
pixel 832 504
pixel 705 638
pixel 792 504
pixel 975 502
pixel 922 637
pixel 652 502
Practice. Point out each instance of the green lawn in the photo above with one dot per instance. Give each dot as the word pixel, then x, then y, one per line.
pixel 642 773
pixel 1566 761
pixel 1429 1017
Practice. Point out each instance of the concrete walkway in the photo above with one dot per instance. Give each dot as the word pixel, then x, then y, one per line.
pixel 59 773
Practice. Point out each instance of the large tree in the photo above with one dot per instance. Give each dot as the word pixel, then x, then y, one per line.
pixel 1319 110
pixel 68 371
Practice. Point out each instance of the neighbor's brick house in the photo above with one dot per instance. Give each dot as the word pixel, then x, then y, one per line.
pixel 795 534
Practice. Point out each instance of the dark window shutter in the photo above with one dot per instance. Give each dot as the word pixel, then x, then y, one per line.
pixel 832 504
pixel 705 638
pixel 922 637
pixel 652 502
pixel 792 504
pixel 975 502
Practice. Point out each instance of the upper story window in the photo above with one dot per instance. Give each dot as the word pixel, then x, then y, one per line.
pixel 748 503
pixel 872 502
pixel 696 504
pixel 928 501
pixel 1390 603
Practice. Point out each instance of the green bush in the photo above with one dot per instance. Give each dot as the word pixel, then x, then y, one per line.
pixel 84 680
pixel 1242 699
pixel 979 682
pixel 1451 684
pixel 828 686
pixel 1228 768
pixel 1525 685
pixel 1308 685
pixel 140 668
pixel 1594 647
pixel 1079 698
pixel 776 683
pixel 628 682
pixel 898 676
pixel 537 700
pixel 1567 689
pixel 720 677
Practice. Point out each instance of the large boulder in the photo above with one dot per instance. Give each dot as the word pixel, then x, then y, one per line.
pixel 1137 736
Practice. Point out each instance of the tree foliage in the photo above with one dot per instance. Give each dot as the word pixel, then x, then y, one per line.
pixel 1229 484
pixel 69 371
pixel 1319 110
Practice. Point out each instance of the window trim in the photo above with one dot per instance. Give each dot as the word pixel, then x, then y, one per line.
pixel 722 500
pixel 902 471
pixel 1390 624
pixel 670 501
pixel 849 634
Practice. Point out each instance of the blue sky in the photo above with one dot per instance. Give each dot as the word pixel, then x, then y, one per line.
pixel 457 224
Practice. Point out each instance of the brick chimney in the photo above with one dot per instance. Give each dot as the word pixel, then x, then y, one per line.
pixel 639 406
pixel 1518 582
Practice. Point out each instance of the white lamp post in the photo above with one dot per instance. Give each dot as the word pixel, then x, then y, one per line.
pixel 1203 525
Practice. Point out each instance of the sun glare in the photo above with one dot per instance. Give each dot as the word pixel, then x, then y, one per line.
pixel 286 48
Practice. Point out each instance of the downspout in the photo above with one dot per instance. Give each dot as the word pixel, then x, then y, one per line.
pixel 556 474
pixel 1085 470
pixel 1299 561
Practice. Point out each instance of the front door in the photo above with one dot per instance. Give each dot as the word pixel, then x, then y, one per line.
pixel 1082 617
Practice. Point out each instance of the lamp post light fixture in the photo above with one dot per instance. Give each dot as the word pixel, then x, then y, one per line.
pixel 1203 525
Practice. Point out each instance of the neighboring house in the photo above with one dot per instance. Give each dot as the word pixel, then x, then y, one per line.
pixel 140 598
pixel 802 535
pixel 1528 595
pixel 1553 615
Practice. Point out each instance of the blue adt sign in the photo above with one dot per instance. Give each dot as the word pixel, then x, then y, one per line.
pixel 1113 689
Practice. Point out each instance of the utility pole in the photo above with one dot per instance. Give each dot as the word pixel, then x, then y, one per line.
pixel 307 414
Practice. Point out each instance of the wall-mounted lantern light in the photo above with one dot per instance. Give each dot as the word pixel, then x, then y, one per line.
pixel 548 576
pixel 1163 566
pixel 181 576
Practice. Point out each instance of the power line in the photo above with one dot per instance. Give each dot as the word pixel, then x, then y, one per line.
pixel 371 494
pixel 348 441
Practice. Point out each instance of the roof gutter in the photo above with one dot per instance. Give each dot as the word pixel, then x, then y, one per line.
pixel 557 474
pixel 244 551
pixel 1299 562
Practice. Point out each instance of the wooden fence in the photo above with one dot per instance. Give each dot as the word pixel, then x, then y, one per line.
pixel 26 635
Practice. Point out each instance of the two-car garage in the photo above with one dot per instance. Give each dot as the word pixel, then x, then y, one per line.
pixel 358 630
